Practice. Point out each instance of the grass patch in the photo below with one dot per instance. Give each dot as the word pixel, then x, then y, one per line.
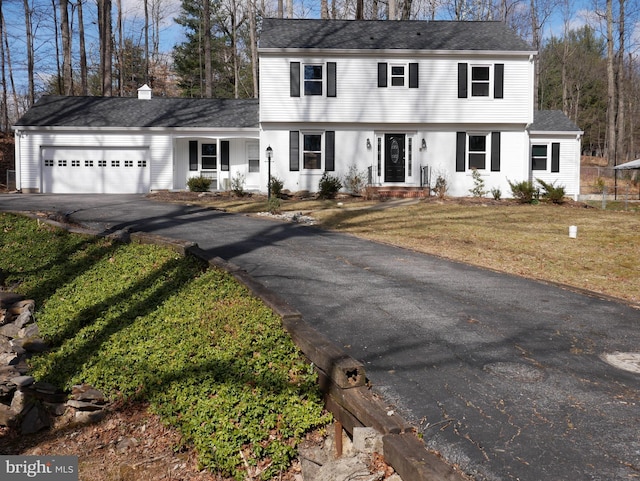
pixel 527 240
pixel 141 322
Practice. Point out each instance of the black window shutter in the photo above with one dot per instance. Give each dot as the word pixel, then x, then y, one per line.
pixel 495 151
pixel 413 75
pixel 294 74
pixel 382 74
pixel 462 80
pixel 330 150
pixel 461 148
pixel 294 150
pixel 498 81
pixel 555 157
pixel 224 155
pixel 193 155
pixel 331 79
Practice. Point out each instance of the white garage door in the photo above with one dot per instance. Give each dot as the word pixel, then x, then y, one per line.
pixel 71 170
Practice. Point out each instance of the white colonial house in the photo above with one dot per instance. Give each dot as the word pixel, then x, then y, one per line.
pixel 401 101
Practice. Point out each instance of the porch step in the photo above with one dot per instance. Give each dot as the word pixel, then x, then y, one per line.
pixel 402 192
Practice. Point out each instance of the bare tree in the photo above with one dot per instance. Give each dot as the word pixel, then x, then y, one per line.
pixel 611 87
pixel 65 33
pixel 31 92
pixel 146 42
pixel 208 69
pixel 253 38
pixel 120 55
pixel 5 110
pixel 84 85
pixel 620 86
pixel 106 48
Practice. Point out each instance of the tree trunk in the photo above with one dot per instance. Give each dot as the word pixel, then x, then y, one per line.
pixel 280 8
pixel 208 69
pixel 29 38
pixel 67 74
pixel 289 8
pixel 253 38
pixel 359 9
pixel 7 54
pixel 324 9
pixel 84 85
pixel 620 117
pixel 611 89
pixel 120 55
pixel 535 32
pixel 146 42
pixel 392 10
pixel 106 46
pixel 406 9
pixel 3 79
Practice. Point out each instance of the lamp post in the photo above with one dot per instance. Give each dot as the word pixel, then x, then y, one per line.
pixel 269 155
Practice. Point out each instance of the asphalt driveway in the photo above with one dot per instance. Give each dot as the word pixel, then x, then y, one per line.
pixel 503 376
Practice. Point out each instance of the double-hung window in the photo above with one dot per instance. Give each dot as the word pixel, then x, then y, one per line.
pixel 544 158
pixel 312 151
pixel 480 78
pixel 313 79
pixel 397 75
pixel 209 157
pixel 477 151
pixel 539 157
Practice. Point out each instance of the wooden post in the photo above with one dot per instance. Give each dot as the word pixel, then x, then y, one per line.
pixel 338 438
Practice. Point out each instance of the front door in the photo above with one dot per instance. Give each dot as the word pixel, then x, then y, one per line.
pixel 394 157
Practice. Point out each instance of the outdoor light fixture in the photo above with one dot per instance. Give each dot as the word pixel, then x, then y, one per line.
pixel 368 143
pixel 424 144
pixel 269 156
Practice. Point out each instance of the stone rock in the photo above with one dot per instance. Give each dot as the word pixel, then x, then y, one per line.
pixel 85 392
pixel 9 330
pixel 7 416
pixel 7 299
pixel 27 305
pixel 22 381
pixel 5 345
pixel 367 440
pixel 35 419
pixel 84 405
pixel 20 402
pixel 23 319
pixel 8 358
pixel 89 417
pixel 29 331
pixel 8 372
pixel 56 409
pixel 345 469
pixel 16 345
pixel 34 344
pixel 3 316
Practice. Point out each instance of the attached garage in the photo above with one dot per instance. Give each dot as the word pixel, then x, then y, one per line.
pixel 67 170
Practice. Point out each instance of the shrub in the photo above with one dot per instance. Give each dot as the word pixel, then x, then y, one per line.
pixel 273 206
pixel 354 180
pixel 276 186
pixel 524 192
pixel 199 184
pixel 328 186
pixel 441 187
pixel 496 193
pixel 237 184
pixel 478 184
pixel 552 192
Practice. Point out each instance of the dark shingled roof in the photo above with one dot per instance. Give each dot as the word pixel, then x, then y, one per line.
pixel 389 34
pixel 552 121
pixel 133 112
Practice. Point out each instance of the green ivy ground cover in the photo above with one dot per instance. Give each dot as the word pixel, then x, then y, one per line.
pixel 141 322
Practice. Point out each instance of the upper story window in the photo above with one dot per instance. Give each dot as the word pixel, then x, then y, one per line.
pixel 398 75
pixel 481 81
pixel 315 79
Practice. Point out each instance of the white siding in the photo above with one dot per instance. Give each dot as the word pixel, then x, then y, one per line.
pixel 569 174
pixel 360 100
